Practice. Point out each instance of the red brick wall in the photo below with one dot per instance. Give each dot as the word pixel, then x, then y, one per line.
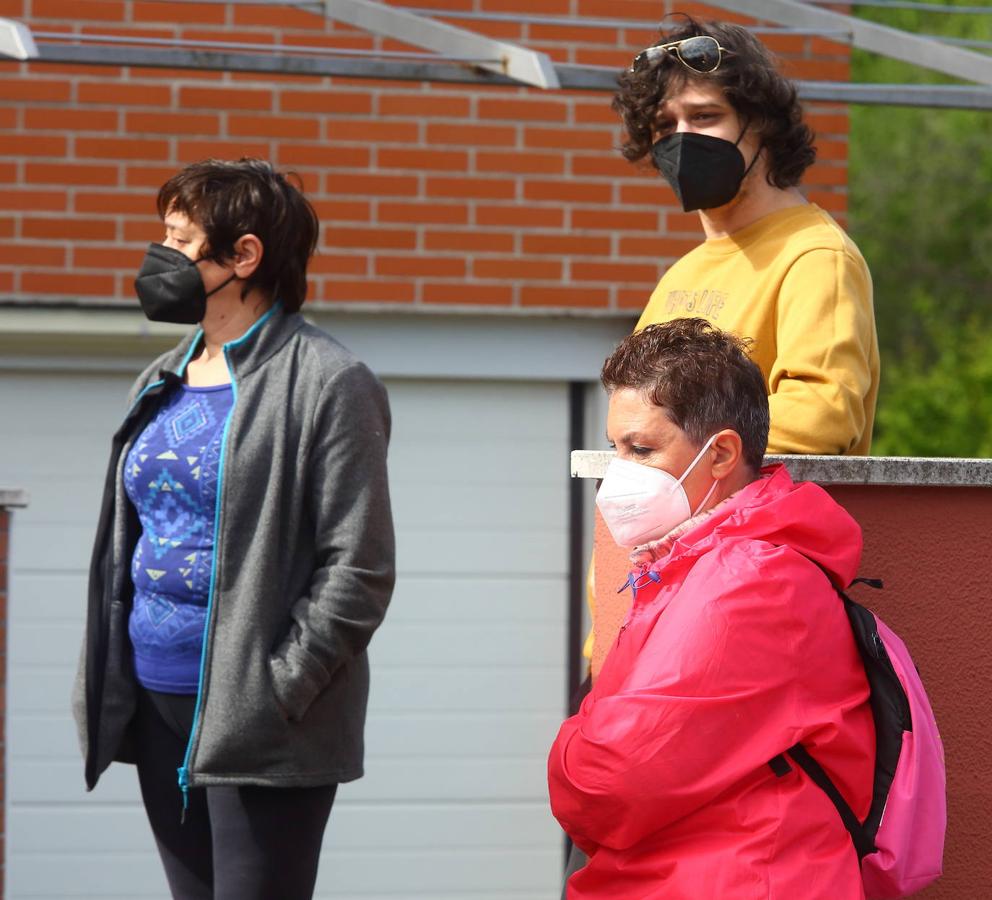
pixel 429 194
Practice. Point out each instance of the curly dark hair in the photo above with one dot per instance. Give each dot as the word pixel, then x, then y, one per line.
pixel 751 81
pixel 700 376
pixel 231 199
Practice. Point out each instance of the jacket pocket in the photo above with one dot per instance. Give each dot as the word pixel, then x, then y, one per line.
pixel 297 680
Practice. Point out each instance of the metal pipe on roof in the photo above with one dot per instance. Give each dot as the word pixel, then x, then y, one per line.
pixel 16 40
pixel 528 66
pixel 865 35
pixel 524 19
pixel 939 8
pixel 586 21
pixel 104 39
pixel 571 77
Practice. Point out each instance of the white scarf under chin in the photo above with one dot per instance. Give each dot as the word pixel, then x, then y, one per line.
pixel 659 548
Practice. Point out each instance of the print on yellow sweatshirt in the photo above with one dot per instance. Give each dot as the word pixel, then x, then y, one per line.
pixel 797 285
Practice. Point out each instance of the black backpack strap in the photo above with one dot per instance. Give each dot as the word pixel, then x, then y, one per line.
pixel 875 583
pixel 863 624
pixel 862 843
pixel 780 766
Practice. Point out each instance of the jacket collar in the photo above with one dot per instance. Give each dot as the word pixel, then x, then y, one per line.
pixel 697 534
pixel 244 354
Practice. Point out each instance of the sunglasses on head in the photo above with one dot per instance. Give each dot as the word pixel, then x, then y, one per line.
pixel 702 54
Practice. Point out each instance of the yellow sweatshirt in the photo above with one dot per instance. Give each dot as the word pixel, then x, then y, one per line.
pixel 797 285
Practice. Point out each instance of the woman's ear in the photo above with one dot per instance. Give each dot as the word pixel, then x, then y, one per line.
pixel 248 252
pixel 728 453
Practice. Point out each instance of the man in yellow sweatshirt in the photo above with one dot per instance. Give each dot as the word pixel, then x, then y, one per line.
pixel 725 128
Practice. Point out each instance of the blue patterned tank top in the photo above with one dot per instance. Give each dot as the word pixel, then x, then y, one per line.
pixel 170 477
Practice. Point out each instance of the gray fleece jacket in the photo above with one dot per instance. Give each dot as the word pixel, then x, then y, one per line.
pixel 303 568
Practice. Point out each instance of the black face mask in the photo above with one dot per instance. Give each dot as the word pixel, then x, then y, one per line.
pixel 170 288
pixel 704 171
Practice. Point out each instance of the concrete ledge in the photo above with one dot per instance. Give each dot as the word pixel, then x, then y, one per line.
pixel 11 498
pixel 487 345
pixel 892 470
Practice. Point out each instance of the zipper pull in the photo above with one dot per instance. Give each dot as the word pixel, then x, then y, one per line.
pixel 183 774
pixel 635 580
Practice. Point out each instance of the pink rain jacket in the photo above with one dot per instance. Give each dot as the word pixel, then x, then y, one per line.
pixel 740 650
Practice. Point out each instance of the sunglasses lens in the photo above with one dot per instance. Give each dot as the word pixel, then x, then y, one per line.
pixel 643 60
pixel 702 54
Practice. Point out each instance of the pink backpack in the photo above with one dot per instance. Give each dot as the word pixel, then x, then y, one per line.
pixel 901 843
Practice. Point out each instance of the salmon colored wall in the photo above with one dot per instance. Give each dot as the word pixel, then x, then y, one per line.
pixel 930 545
pixel 429 194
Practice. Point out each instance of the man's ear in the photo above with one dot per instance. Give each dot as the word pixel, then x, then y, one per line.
pixel 248 252
pixel 728 453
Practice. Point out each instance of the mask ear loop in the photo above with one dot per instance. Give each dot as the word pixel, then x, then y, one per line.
pixel 757 153
pixel 691 466
pixel 220 286
pixel 705 499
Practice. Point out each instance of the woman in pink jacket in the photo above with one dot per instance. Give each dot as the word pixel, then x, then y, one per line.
pixel 736 647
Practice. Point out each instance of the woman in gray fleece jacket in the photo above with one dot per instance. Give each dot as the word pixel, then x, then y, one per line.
pixel 244 553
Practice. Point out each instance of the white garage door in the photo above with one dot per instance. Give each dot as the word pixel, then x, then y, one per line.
pixel 468 670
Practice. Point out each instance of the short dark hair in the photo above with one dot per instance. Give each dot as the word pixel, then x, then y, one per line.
pixel 231 199
pixel 700 376
pixel 752 83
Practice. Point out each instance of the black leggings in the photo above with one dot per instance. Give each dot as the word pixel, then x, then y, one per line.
pixel 236 843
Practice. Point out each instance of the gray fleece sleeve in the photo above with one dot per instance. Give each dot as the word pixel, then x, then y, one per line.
pixel 353 580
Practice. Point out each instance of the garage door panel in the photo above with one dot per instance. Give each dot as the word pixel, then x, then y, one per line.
pixel 56 498
pixel 59 782
pixel 45 645
pixel 512 780
pixel 472 644
pixel 478 508
pixel 82 829
pixel 42 689
pixel 355 873
pixel 521 599
pixel 427 409
pixel 439 825
pixel 108 875
pixel 35 550
pixel 432 688
pixel 47 596
pixel 520 463
pixel 458 735
pixel 43 737
pixel 533 551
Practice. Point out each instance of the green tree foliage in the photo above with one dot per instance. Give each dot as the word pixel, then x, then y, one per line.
pixel 921 211
pixel 939 403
